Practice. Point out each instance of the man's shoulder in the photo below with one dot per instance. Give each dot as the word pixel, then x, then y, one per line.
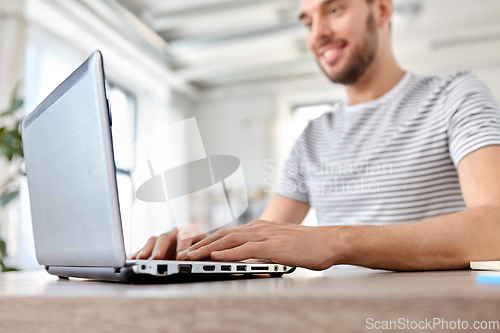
pixel 460 82
pixel 446 92
pixel 427 91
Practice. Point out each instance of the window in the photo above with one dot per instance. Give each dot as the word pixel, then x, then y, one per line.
pixel 123 114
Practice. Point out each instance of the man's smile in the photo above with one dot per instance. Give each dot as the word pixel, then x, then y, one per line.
pixel 331 53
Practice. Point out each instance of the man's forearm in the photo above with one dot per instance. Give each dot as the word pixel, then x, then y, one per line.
pixel 284 209
pixel 445 242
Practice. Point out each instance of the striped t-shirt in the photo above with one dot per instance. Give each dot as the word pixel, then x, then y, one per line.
pixel 393 159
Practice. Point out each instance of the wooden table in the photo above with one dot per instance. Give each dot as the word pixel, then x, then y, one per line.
pixel 340 301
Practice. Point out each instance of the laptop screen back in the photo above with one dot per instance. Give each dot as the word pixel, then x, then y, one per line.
pixel 71 175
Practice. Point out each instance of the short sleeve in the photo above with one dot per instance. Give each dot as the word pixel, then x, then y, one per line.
pixel 293 182
pixel 474 116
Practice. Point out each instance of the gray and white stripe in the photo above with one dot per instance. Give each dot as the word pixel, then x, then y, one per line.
pixel 393 160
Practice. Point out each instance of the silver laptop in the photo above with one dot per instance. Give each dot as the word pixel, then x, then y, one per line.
pixel 73 191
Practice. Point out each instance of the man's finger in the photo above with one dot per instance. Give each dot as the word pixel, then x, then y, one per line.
pixel 219 234
pixel 231 240
pixel 248 250
pixel 184 244
pixel 210 239
pixel 162 246
pixel 146 250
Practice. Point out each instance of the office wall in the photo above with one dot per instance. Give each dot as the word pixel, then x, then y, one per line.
pixel 239 126
pixel 490 75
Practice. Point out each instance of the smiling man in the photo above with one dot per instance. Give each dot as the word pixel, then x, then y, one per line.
pixel 403 175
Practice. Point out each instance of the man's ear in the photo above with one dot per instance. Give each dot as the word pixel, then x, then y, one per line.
pixel 385 9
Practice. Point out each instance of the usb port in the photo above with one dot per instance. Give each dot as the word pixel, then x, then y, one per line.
pixel 259 268
pixel 209 268
pixel 162 269
pixel 241 268
pixel 225 268
pixel 185 268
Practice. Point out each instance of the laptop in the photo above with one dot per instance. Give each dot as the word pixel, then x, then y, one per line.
pixel 485 265
pixel 73 190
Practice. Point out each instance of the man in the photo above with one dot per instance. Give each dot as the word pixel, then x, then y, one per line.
pixel 436 202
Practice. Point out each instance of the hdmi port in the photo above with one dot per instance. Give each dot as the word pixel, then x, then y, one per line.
pixel 260 268
pixel 209 268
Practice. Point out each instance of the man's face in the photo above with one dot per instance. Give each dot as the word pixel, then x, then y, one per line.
pixel 342 35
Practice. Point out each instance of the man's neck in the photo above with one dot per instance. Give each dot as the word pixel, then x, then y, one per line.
pixel 378 80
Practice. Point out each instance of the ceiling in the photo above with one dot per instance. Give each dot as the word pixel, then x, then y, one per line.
pixel 225 42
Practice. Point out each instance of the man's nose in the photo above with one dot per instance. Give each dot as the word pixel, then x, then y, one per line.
pixel 320 32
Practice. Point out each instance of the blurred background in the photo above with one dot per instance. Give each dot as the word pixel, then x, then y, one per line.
pixel 241 67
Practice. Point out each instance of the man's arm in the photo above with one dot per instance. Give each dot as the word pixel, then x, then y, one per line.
pixel 445 242
pixel 286 210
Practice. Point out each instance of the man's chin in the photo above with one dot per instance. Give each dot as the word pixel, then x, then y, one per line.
pixel 336 77
pixel 344 76
pixel 336 73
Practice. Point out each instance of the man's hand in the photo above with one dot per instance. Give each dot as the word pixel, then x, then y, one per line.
pixel 168 245
pixel 284 243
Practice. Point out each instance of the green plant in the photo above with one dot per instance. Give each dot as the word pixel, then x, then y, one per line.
pixel 11 148
pixel 3 254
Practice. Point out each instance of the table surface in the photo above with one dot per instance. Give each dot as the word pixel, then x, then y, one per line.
pixel 338 282
pixel 343 296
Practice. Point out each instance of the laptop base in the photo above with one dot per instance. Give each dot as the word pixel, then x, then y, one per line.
pixel 154 271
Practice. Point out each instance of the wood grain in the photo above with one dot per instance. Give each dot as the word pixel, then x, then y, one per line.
pixel 36 302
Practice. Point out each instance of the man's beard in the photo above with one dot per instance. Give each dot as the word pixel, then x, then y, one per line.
pixel 362 59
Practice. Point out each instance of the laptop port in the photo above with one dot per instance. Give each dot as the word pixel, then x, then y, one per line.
pixel 162 269
pixel 225 268
pixel 185 268
pixel 241 268
pixel 259 268
pixel 209 268
pixel 276 268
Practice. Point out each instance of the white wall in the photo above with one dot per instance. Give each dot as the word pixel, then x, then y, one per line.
pixel 490 75
pixel 240 127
